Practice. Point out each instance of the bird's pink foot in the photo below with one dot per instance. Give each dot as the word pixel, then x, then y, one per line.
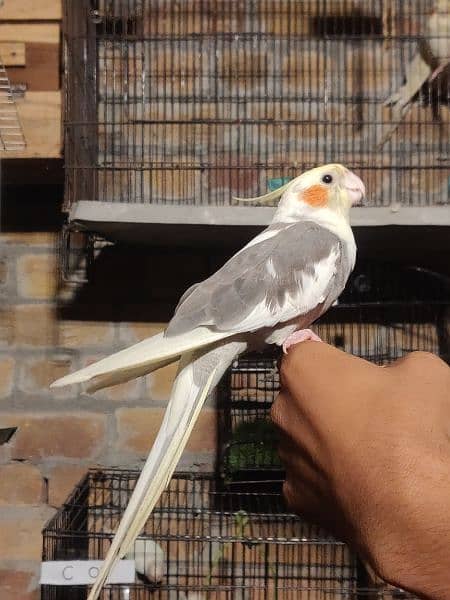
pixel 437 72
pixel 302 335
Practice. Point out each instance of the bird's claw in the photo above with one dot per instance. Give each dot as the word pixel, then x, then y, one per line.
pixel 302 335
pixel 437 72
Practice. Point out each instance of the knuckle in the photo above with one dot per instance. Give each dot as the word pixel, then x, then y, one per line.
pixel 422 357
pixel 429 366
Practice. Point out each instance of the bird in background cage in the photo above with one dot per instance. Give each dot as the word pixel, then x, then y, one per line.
pixel 267 293
pixel 149 560
pixel 430 60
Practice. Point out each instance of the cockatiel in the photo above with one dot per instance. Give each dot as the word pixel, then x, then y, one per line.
pixel 149 560
pixel 431 58
pixel 278 284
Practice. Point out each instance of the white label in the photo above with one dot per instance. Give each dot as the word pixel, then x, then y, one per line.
pixel 81 572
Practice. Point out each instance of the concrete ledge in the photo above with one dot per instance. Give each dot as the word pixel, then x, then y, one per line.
pixel 88 213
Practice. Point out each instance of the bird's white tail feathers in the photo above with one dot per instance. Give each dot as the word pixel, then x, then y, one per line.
pixel 140 359
pixel 198 372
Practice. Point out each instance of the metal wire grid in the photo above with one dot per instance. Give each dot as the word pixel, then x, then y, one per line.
pixel 11 133
pixel 384 313
pixel 213 550
pixel 190 102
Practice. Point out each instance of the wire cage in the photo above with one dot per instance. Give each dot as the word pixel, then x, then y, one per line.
pixel 385 311
pixel 207 548
pixel 191 102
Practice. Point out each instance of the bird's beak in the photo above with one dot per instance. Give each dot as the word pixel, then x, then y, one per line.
pixel 355 188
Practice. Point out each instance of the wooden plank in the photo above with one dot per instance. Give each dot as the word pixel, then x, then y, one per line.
pixel 41 72
pixel 12 54
pixel 46 33
pixel 40 116
pixel 31 10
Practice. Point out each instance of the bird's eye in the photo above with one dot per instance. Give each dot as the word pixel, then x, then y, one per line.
pixel 327 179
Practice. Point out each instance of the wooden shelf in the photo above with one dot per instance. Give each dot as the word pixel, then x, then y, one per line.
pixel 411 234
pixel 31 10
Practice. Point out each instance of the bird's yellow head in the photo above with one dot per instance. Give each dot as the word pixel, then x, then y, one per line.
pixel 330 186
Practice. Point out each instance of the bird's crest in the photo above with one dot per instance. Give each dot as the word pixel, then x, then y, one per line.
pixel 270 196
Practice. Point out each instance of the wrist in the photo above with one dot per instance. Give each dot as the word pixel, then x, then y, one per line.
pixel 409 545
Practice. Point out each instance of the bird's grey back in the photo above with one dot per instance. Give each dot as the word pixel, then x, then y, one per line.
pixel 269 271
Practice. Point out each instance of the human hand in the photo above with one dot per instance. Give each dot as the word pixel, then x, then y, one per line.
pixel 367 455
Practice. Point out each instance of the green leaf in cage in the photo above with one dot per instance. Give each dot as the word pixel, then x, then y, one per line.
pixel 277 182
pixel 253 446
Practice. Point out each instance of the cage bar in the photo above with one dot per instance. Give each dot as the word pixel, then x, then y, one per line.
pixel 190 103
pixel 214 546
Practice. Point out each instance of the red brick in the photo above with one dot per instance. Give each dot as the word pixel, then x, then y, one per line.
pixel 18 585
pixel 131 333
pixel 7 320
pixel 21 537
pixel 7 366
pixel 21 483
pixel 159 383
pixel 36 276
pixel 79 334
pixel 34 325
pixel 38 374
pixel 138 427
pixel 62 479
pixel 203 436
pixel 124 391
pixel 56 435
pixel 3 271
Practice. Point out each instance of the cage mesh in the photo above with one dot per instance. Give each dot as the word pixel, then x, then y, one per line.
pixel 215 546
pixel 385 312
pixel 194 101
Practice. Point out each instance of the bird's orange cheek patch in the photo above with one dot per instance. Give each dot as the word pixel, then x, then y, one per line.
pixel 316 195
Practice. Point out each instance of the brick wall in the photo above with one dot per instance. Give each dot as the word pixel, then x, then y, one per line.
pixel 64 432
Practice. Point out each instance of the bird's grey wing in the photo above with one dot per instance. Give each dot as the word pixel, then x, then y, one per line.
pixel 273 279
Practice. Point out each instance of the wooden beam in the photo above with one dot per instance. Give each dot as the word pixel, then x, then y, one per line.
pixel 40 69
pixel 46 33
pixel 31 10
pixel 40 116
pixel 12 54
pixel 41 72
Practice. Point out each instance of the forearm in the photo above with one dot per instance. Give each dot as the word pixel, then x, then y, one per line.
pixel 417 556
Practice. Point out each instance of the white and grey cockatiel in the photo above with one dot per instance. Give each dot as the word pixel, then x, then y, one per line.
pixel 267 293
pixel 149 560
pixel 431 58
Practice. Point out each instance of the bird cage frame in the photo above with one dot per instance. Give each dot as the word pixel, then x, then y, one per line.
pixel 192 103
pixel 211 549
